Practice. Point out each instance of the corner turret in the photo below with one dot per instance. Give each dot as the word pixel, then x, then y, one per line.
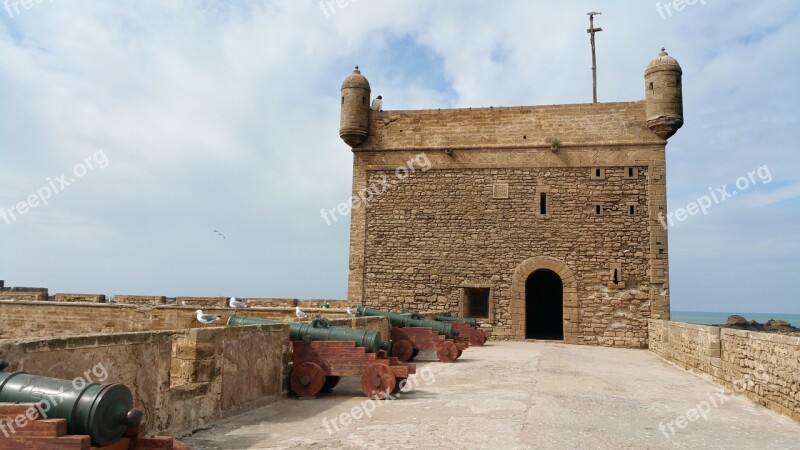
pixel 354 120
pixel 663 95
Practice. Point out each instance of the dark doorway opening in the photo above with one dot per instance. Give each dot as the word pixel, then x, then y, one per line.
pixel 544 306
pixel 477 302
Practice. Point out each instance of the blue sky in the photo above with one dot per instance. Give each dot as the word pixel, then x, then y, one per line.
pixel 209 116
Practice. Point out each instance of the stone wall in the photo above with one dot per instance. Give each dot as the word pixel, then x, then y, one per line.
pixel 23 295
pixel 140 299
pixel 765 367
pixel 40 319
pixel 442 230
pixel 578 124
pixel 180 379
pixel 91 298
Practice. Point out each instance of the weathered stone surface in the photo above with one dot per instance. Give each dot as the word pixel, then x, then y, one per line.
pixel 181 379
pixel 516 395
pixel 762 366
pixel 19 319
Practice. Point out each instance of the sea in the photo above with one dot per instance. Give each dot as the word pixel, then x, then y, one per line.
pixel 716 318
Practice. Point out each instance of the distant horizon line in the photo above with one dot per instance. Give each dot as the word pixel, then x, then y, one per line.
pixel 728 312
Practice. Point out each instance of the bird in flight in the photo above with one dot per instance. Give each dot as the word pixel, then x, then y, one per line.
pixel 220 233
pixel 206 318
pixel 236 303
pixel 299 312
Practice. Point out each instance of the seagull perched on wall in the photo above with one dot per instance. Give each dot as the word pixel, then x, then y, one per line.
pixel 377 104
pixel 352 311
pixel 220 233
pixel 236 303
pixel 206 318
pixel 299 313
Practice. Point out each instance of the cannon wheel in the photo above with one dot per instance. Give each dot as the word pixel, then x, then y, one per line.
pixel 447 351
pixel 400 383
pixel 477 338
pixel 377 381
pixel 459 353
pixel 402 350
pixel 414 353
pixel 330 382
pixel 307 379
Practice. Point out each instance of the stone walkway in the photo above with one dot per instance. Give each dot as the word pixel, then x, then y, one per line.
pixel 519 395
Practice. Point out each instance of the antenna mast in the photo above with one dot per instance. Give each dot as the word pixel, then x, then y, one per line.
pixel 592 30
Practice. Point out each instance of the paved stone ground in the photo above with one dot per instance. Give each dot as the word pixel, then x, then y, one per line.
pixel 519 395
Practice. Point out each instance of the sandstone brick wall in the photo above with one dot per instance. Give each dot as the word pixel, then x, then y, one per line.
pixel 41 319
pixel 578 124
pixel 35 319
pixel 140 299
pixel 431 233
pixel 765 367
pixel 91 298
pixel 441 229
pixel 26 296
pixel 220 371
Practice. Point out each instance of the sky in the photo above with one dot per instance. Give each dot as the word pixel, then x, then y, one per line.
pixel 132 130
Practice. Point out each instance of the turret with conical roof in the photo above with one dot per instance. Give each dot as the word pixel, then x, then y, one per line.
pixel 664 97
pixel 354 120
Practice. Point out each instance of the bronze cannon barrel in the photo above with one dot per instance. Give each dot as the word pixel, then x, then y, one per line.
pixel 403 320
pixel 102 411
pixel 446 317
pixel 321 330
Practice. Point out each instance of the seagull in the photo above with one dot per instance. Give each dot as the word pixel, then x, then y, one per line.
pixel 220 233
pixel 184 303
pixel 377 104
pixel 352 311
pixel 206 318
pixel 299 312
pixel 236 303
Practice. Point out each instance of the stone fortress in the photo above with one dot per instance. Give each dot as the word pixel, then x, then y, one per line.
pixel 541 221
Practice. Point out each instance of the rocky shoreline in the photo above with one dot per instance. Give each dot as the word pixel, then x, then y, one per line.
pixel 771 326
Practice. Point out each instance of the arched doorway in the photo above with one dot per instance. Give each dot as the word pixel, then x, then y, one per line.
pixel 544 305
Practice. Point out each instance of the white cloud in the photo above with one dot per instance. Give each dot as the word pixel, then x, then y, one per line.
pixel 220 116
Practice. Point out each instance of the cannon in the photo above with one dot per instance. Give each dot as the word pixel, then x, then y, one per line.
pixel 104 412
pixel 322 354
pixel 411 333
pixel 321 330
pixel 410 320
pixel 465 326
pixel 446 317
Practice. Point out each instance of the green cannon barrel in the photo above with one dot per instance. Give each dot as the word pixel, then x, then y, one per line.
pixel 410 320
pixel 449 318
pixel 321 330
pixel 102 411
